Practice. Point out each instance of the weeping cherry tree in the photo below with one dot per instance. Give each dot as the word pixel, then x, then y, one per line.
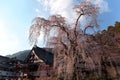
pixel 69 42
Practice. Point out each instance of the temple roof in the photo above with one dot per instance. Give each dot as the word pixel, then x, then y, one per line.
pixel 43 53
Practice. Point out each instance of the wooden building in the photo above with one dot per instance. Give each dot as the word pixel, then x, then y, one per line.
pixel 8 68
pixel 37 64
pixel 40 63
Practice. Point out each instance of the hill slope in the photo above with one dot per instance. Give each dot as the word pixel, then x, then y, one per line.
pixel 21 55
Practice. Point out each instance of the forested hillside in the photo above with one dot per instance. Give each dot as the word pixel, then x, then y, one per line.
pixel 110 37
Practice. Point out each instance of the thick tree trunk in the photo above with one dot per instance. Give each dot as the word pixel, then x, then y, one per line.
pixel 70 68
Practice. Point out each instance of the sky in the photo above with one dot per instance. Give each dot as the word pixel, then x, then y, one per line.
pixel 16 18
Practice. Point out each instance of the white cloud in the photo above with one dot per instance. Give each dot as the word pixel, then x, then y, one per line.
pixel 64 7
pixel 8 42
pixel 102 4
pixel 39 13
pixel 37 10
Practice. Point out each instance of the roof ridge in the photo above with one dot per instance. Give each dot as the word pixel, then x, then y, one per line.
pixel 4 56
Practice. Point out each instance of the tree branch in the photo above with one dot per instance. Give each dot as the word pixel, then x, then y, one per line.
pixel 76 23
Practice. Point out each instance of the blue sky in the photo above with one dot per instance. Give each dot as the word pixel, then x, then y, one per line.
pixel 15 20
pixel 109 18
pixel 16 17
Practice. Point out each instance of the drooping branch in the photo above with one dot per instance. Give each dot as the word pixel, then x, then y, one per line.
pixel 69 42
pixel 64 29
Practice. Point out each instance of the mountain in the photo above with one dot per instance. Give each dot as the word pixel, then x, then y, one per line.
pixel 21 55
